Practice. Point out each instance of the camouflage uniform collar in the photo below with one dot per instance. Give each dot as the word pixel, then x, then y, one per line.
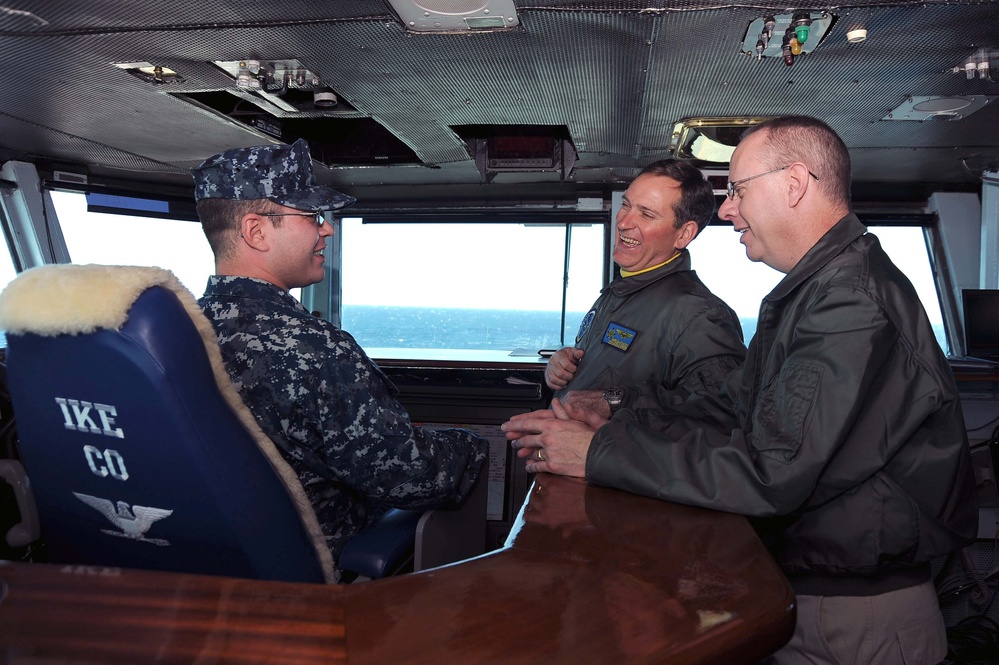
pixel 250 287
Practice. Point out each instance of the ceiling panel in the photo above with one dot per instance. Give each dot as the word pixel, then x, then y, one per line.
pixel 616 75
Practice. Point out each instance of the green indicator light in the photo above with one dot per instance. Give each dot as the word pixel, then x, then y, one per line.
pixel 801 32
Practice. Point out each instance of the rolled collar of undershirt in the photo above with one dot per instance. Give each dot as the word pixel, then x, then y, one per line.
pixel 625 273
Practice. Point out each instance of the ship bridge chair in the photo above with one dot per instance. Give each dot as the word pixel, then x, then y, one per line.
pixel 139 450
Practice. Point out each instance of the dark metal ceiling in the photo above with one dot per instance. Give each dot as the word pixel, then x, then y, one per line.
pixel 616 75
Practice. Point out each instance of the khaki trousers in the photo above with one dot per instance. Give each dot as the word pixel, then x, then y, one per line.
pixel 902 627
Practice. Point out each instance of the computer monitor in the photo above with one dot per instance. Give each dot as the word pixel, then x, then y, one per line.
pixel 981 323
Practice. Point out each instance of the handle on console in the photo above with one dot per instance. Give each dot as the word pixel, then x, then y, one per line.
pixel 27 530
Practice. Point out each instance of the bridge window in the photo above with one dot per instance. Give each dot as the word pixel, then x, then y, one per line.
pixel 7 270
pixel 7 273
pixel 177 245
pixel 504 284
pixel 499 286
pixel 720 261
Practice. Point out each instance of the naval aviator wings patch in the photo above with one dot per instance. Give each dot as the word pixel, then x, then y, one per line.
pixel 618 336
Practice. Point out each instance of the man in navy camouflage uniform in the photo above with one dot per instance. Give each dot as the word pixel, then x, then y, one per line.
pixel 328 408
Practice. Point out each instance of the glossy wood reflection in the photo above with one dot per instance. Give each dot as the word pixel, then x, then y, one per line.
pixel 590 575
pixel 81 614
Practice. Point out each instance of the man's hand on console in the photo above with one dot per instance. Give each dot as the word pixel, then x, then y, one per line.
pixel 551 440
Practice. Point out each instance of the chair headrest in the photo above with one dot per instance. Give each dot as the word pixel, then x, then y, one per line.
pixel 74 299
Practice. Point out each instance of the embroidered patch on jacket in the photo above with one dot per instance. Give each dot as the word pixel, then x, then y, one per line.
pixel 585 325
pixel 618 336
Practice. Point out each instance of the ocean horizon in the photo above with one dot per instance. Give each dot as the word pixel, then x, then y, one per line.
pixel 389 327
pixel 447 328
pixel 486 329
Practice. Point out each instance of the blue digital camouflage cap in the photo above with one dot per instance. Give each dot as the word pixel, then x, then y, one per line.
pixel 280 173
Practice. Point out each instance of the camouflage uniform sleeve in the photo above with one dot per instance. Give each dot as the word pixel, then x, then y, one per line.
pixel 371 445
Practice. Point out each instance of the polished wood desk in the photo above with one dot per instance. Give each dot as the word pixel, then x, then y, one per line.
pixel 588 575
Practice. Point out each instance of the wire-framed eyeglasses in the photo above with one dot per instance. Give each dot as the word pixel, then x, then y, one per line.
pixel 733 184
pixel 319 216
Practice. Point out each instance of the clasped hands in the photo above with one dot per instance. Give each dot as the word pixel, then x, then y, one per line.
pixel 555 440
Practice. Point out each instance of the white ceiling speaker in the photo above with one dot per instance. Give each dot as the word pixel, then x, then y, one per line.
pixel 920 107
pixel 456 16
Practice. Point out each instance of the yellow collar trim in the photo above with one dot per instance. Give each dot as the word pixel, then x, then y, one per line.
pixel 625 273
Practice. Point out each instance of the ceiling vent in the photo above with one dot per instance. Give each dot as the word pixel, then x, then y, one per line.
pixel 519 149
pixel 349 139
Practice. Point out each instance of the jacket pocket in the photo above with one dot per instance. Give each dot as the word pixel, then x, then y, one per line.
pixel 784 408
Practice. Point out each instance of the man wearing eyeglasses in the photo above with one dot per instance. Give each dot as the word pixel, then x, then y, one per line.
pixel 329 409
pixel 841 435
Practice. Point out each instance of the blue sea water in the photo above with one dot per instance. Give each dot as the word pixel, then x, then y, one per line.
pixel 490 329
pixel 441 328
pixel 494 329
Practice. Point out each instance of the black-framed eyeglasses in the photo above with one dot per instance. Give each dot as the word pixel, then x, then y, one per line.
pixel 319 216
pixel 732 185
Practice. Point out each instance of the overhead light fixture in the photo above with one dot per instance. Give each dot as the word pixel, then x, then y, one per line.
pixel 920 108
pixel 856 35
pixel 150 73
pixel 981 63
pixel 456 16
pixel 270 76
pixel 710 140
pixel 801 33
pixel 246 79
pixel 323 97
pixel 282 86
